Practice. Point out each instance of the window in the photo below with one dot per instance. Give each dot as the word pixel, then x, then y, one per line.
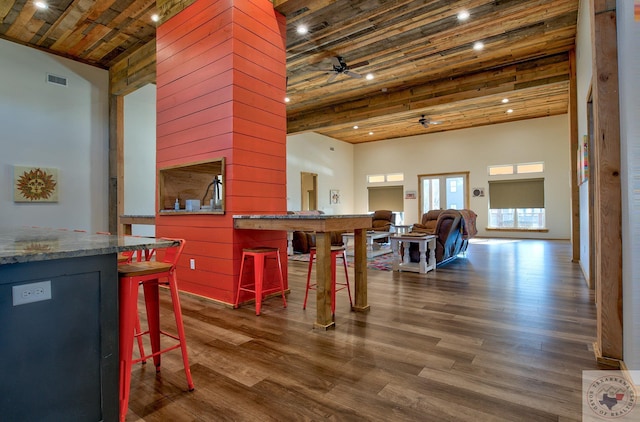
pixel 517 218
pixel 522 168
pixel 396 177
pixel 499 170
pixel 529 168
pixel 381 178
pixel 517 204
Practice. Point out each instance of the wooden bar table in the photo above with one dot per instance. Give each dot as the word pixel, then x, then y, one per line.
pixel 323 225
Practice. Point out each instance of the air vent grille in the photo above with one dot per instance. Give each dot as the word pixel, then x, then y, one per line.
pixel 56 80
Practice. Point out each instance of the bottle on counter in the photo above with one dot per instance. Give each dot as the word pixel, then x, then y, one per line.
pixel 176 206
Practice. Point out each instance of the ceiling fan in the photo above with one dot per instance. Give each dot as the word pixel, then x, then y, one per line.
pixel 426 122
pixel 341 67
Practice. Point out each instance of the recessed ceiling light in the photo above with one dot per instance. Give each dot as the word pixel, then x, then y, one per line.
pixel 369 76
pixel 478 45
pixel 41 5
pixel 302 29
pixel 155 17
pixel 509 111
pixel 355 127
pixel 287 99
pixel 463 15
pixel 505 100
pixel 370 133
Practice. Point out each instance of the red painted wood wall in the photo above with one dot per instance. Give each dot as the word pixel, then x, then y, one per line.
pixel 221 81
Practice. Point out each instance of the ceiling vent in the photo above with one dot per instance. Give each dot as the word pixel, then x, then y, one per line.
pixel 56 80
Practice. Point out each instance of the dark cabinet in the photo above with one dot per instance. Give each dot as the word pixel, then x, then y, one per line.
pixel 59 356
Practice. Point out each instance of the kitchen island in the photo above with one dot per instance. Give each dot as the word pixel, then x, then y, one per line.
pixel 59 313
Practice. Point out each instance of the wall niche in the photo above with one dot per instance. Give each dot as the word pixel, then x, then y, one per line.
pixel 198 187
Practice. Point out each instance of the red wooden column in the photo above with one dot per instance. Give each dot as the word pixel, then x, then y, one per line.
pixel 221 80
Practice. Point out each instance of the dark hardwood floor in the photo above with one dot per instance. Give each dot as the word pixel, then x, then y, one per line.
pixel 501 334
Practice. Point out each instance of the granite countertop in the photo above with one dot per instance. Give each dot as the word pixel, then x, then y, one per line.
pixel 21 244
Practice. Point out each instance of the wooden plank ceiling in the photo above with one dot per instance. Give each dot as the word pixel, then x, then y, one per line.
pixel 420 54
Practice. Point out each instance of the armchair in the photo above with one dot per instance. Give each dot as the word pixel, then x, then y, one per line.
pixel 383 220
pixel 452 228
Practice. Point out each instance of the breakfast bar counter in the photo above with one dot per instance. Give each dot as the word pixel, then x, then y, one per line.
pixel 323 225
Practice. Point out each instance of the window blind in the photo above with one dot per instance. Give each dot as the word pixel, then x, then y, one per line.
pixel 386 198
pixel 520 193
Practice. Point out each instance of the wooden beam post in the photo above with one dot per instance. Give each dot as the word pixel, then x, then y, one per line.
pixel 607 186
pixel 116 160
pixel 573 144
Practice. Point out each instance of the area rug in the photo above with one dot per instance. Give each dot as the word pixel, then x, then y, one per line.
pixel 380 262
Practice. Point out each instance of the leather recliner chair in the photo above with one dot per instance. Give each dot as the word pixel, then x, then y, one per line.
pixel 382 220
pixel 447 226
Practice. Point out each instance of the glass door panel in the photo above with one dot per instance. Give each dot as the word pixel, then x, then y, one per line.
pixel 455 192
pixel 440 191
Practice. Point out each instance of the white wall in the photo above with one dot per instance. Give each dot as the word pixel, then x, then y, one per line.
pixel 629 69
pixel 331 160
pixel 584 59
pixel 52 126
pixel 473 150
pixel 140 156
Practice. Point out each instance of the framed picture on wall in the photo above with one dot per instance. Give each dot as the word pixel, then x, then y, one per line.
pixel 583 160
pixel 334 196
pixel 35 184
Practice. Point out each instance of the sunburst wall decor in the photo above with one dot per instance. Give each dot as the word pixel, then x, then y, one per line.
pixel 35 184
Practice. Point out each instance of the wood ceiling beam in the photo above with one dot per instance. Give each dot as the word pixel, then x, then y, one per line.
pixel 170 8
pixel 134 71
pixel 506 79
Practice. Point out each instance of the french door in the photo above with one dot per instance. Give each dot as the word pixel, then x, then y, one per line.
pixel 443 191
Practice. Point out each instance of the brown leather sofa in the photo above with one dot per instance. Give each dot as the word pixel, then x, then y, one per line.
pixel 452 228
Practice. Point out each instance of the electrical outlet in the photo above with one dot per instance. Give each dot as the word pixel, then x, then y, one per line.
pixel 32 292
pixel 192 264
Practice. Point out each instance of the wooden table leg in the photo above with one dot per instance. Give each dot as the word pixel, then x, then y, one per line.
pixel 324 318
pixel 360 266
pixel 422 265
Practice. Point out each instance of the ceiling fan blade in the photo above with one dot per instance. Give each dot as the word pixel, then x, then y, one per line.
pixel 335 60
pixel 332 77
pixel 320 68
pixel 359 64
pixel 352 74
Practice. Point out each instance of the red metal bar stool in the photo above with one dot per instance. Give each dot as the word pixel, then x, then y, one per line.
pixel 260 255
pixel 336 251
pixel 150 274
